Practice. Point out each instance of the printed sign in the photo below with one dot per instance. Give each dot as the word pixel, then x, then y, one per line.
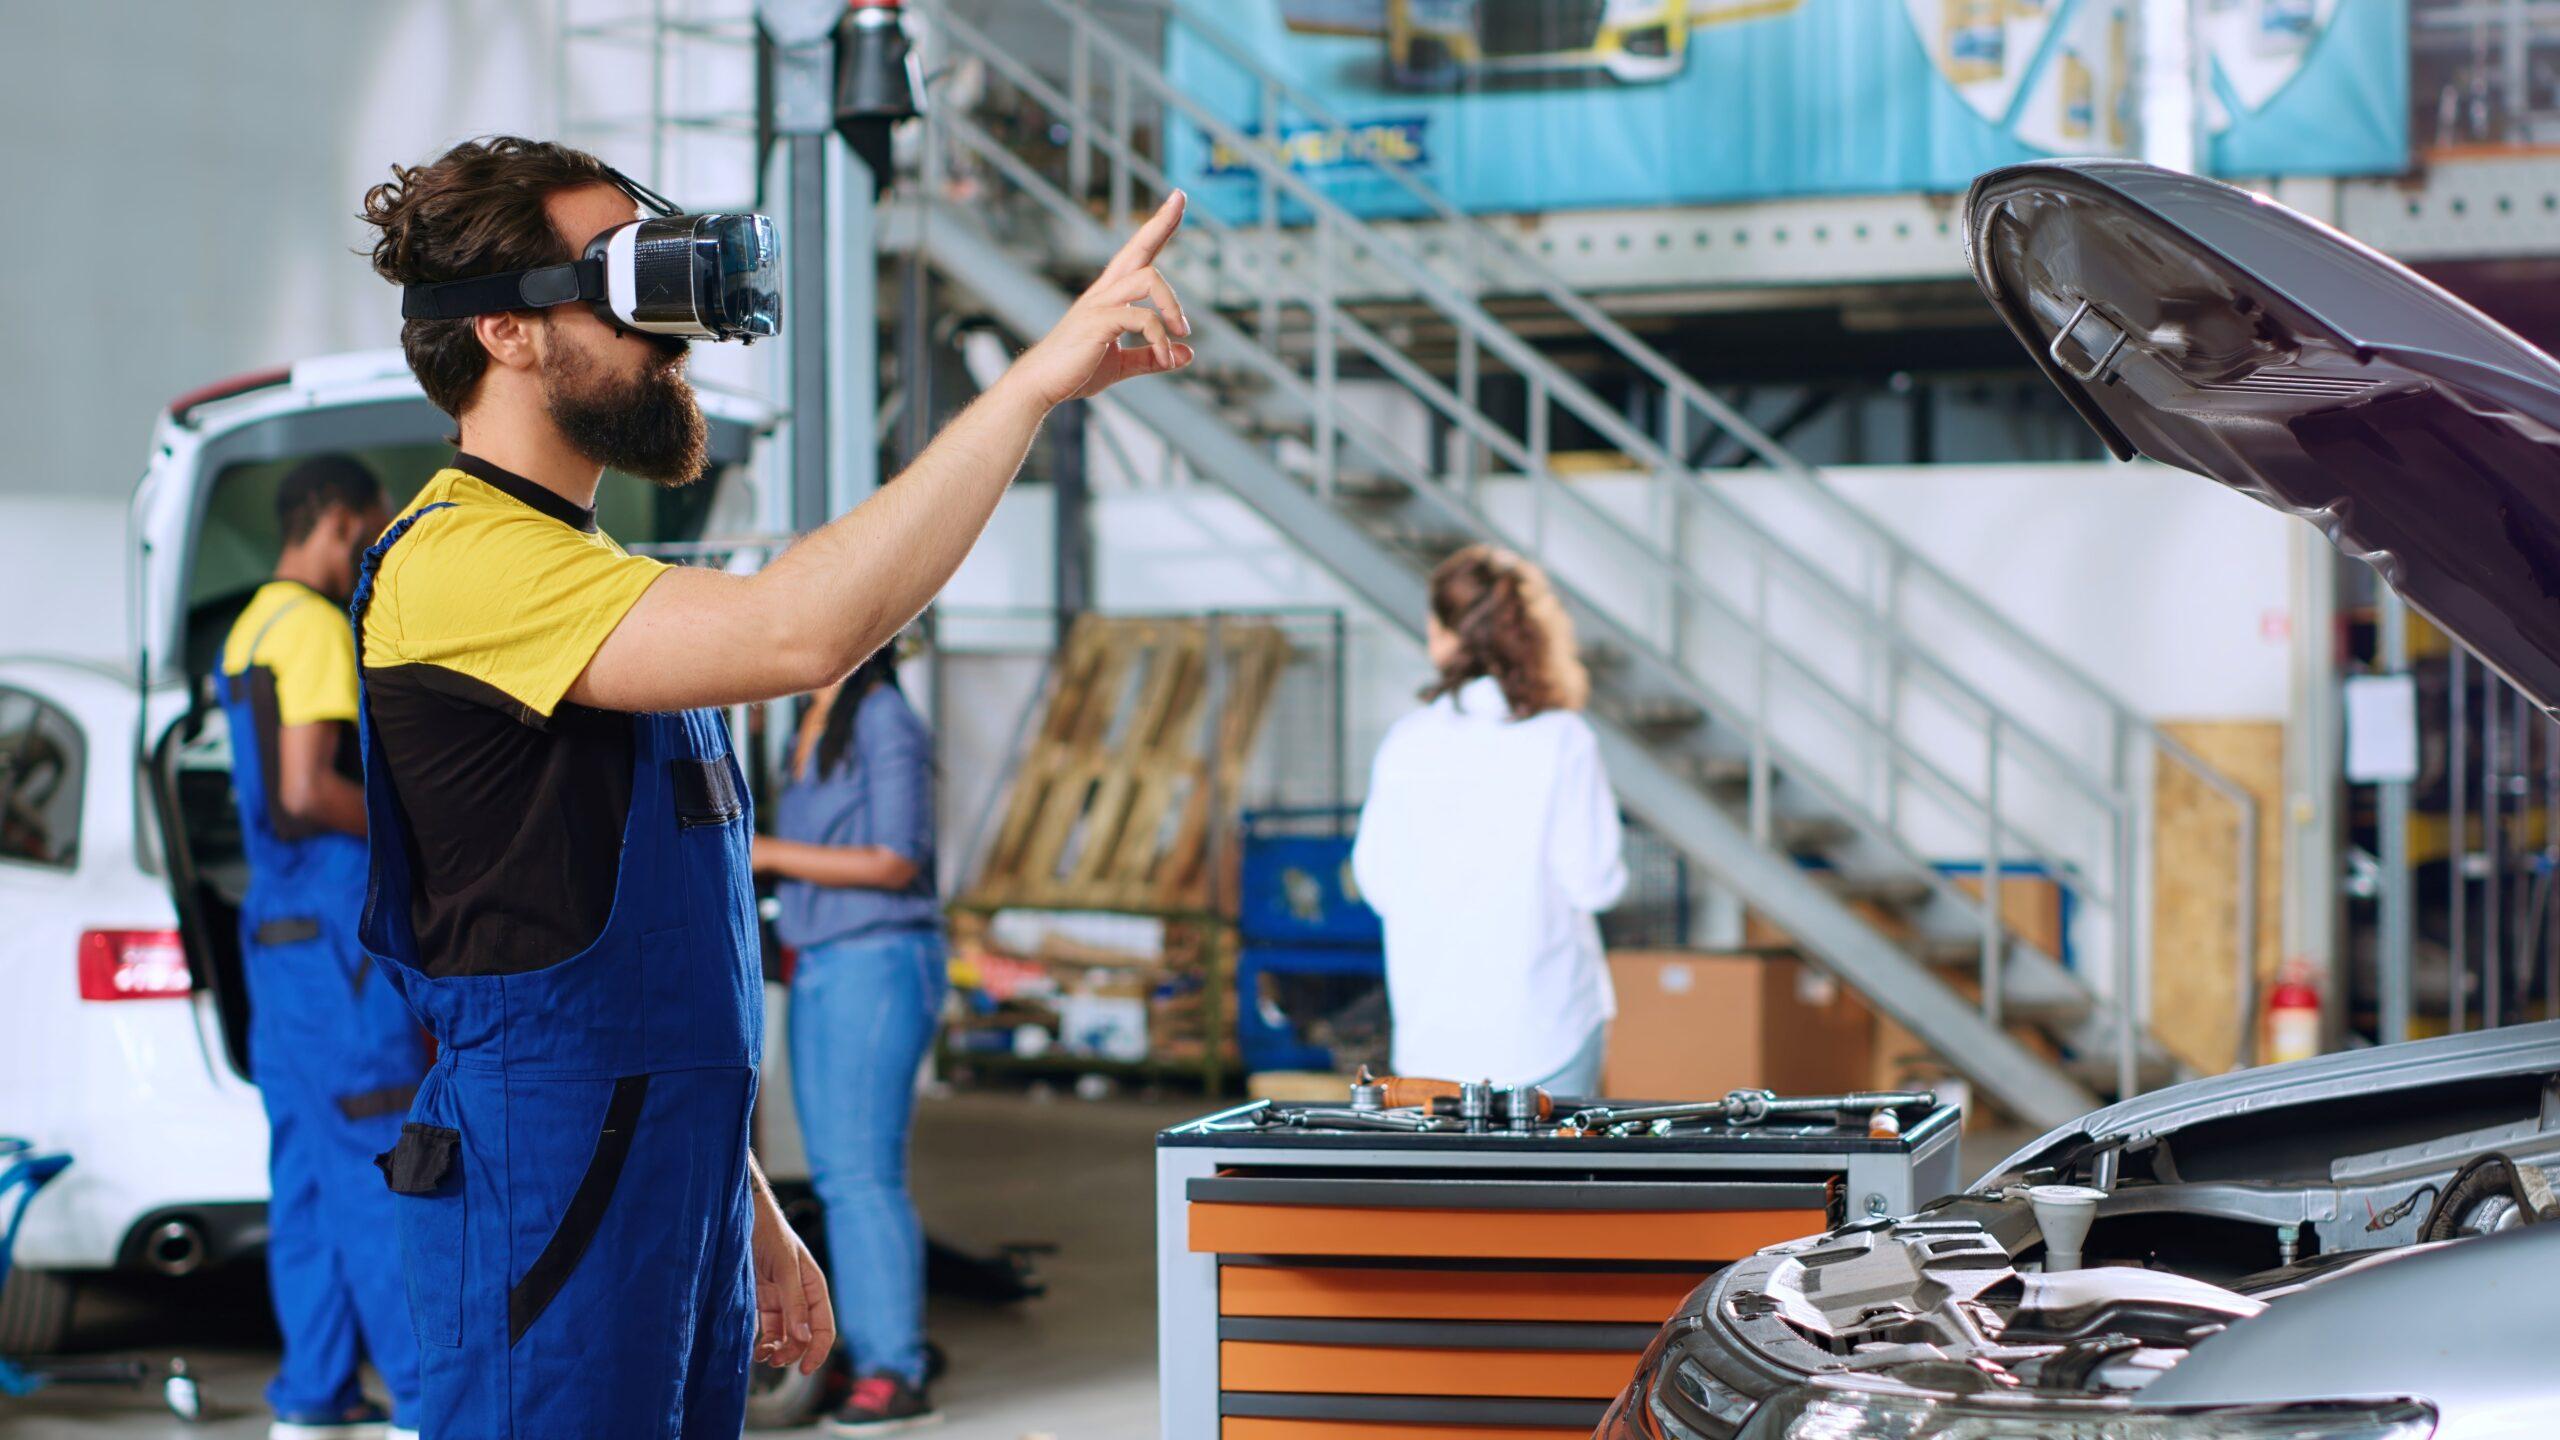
pixel 1525 105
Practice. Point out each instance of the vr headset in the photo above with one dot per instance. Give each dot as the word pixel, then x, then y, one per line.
pixel 706 277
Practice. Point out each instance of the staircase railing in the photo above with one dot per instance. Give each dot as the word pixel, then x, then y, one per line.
pixel 1998 775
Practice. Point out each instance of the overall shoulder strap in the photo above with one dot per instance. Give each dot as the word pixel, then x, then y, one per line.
pixel 373 564
pixel 250 659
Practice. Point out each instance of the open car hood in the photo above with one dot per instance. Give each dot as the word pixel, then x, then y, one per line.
pixel 2222 333
pixel 2532 1049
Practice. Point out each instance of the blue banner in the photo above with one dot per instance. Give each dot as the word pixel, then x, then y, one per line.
pixel 1530 105
pixel 2304 87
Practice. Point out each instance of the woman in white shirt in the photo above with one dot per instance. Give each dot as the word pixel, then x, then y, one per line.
pixel 1490 841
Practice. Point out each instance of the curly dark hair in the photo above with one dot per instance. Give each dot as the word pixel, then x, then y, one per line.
pixel 477 209
pixel 1508 625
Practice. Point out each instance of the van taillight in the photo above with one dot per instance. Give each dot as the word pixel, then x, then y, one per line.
pixel 133 965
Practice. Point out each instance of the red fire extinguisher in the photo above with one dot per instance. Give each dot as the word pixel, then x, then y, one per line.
pixel 2293 1015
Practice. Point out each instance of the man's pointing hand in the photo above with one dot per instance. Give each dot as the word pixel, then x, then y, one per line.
pixel 1083 355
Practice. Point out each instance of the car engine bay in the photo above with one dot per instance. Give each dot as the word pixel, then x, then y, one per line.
pixel 2088 1270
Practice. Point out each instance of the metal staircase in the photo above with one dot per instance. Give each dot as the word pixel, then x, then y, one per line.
pixel 1817 714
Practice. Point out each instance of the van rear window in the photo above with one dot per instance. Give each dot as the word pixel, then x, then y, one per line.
pixel 237 543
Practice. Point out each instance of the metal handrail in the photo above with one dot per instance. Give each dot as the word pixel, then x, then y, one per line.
pixel 1678 383
pixel 1117 149
pixel 1551 386
pixel 1813 581
pixel 1552 287
pixel 1921 768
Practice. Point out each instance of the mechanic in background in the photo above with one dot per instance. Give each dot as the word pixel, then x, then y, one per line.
pixel 331 1046
pixel 853 847
pixel 1490 842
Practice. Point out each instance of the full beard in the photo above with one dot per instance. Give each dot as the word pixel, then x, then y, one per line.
pixel 648 425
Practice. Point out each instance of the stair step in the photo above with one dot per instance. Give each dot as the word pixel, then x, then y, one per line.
pixel 1800 834
pixel 1894 892
pixel 1959 952
pixel 2056 1013
pixel 1719 772
pixel 1232 381
pixel 1432 542
pixel 1255 423
pixel 1368 488
pixel 2098 1071
pixel 1665 715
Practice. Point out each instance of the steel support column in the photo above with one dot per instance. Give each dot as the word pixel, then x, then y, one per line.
pixel 2395 908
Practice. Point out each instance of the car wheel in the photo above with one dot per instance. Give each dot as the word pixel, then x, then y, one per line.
pixel 35 1312
pixel 787 1399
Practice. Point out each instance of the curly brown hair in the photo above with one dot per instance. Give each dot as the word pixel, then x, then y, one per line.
pixel 477 209
pixel 1508 625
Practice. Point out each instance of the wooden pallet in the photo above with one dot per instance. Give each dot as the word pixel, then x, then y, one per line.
pixel 1111 806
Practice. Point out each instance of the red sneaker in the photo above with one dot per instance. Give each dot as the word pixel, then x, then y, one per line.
pixel 883 1405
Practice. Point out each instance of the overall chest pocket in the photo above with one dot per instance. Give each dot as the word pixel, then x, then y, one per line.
pixel 706 791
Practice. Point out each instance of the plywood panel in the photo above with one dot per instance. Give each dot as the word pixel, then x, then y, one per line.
pixel 2195 886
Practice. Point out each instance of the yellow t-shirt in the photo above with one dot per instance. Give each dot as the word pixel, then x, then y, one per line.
pixel 483 615
pixel 302 638
pixel 500 591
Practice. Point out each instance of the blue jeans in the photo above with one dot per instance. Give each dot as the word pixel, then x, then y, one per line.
pixel 1579 1078
pixel 862 1015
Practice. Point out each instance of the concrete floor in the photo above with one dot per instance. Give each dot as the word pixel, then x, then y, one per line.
pixel 990 1168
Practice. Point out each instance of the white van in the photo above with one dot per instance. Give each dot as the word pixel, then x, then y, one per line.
pixel 123 1024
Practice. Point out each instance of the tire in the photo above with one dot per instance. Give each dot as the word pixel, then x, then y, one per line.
pixel 782 1399
pixel 35 1312
pixel 789 1400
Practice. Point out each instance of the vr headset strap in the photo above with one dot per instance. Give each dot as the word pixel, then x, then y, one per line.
pixel 493 294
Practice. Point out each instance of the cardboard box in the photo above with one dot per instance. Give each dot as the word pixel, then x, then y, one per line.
pixel 1694 1024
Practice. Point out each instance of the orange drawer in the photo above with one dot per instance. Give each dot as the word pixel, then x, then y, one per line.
pixel 1711 1236
pixel 1358 1370
pixel 1239 1428
pixel 1331 1293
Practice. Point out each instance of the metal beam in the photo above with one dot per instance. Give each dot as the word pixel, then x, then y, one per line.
pixel 1071 528
pixel 2396 910
pixel 805 166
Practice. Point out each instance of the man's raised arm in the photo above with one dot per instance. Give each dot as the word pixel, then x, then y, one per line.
pixel 699 637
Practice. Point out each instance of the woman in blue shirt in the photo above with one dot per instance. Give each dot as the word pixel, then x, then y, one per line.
pixel 853 850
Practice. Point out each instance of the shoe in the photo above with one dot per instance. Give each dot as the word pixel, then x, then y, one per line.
pixel 883 1405
pixel 364 1422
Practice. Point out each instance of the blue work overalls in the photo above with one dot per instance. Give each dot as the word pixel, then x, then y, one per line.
pixel 574 1215
pixel 336 1058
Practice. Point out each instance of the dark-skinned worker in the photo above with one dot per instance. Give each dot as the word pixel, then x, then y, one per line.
pixel 335 1053
pixel 560 835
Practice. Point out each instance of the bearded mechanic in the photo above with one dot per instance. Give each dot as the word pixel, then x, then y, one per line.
pixel 559 834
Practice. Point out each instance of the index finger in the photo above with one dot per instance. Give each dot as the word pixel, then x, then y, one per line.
pixel 1142 247
pixel 822 1315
